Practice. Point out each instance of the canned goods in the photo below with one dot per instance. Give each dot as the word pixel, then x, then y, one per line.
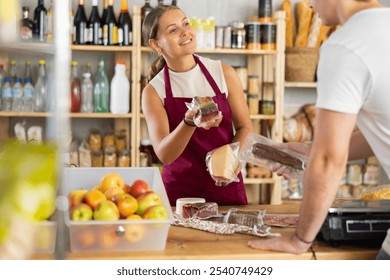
pixel 253 84
pixel 371 174
pixel 253 103
pixel 219 30
pixel 268 36
pixel 267 107
pixel 354 176
pixel 253 34
pixel 265 11
pixel 227 37
pixel 238 38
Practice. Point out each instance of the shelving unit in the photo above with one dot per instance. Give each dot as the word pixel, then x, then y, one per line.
pixel 136 58
pixel 300 85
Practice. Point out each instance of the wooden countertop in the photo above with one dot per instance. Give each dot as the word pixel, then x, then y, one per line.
pixel 191 244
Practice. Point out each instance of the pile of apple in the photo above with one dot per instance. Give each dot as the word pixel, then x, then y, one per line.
pixel 113 199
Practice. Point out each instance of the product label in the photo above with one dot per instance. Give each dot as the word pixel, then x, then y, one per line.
pixel 7 92
pixel 28 93
pixel 120 36
pixel 17 93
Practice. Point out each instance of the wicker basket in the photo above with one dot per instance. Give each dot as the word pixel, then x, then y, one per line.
pixel 301 64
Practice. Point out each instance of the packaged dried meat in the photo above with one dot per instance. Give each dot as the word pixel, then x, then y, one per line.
pixel 265 152
pixel 199 210
pixel 207 110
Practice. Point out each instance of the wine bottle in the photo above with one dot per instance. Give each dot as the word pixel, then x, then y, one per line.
pixel 94 25
pixel 125 27
pixel 80 25
pixel 110 28
pixel 26 25
pixel 145 10
pixel 40 14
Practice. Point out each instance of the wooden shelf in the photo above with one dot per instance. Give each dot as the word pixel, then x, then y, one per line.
pixel 28 47
pixel 102 48
pixel 71 115
pixel 300 85
pixel 224 51
pixel 258 181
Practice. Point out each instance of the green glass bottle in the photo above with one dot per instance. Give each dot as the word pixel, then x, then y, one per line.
pixel 101 92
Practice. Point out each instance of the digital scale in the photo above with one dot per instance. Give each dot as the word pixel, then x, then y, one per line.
pixel 357 220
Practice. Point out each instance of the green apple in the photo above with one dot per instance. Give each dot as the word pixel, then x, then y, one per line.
pixel 146 200
pixel 156 212
pixel 107 211
pixel 81 212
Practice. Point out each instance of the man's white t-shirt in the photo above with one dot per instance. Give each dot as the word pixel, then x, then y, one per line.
pixel 193 82
pixel 354 78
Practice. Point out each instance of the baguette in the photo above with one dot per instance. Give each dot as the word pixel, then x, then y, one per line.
pixel 304 14
pixel 315 28
pixel 290 23
pixel 324 34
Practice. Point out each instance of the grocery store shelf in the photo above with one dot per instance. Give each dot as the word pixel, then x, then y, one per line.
pixel 101 48
pixel 28 47
pixel 224 51
pixel 300 85
pixel 259 181
pixel 71 115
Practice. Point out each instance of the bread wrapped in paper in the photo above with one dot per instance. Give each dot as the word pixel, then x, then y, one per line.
pixel 290 22
pixel 304 15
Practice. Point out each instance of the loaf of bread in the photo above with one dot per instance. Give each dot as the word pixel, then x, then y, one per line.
pixel 290 22
pixel 324 34
pixel 200 210
pixel 304 14
pixel 300 126
pixel 263 151
pixel 314 32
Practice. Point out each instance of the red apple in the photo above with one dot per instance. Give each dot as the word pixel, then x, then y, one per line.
pixel 146 200
pixel 76 197
pixel 139 187
pixel 156 212
pixel 107 211
pixel 81 212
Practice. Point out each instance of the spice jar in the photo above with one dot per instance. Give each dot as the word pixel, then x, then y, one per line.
pixel 109 157
pixel 267 107
pixel 253 33
pixel 97 158
pixel 268 36
pixel 253 84
pixel 124 159
pixel 253 103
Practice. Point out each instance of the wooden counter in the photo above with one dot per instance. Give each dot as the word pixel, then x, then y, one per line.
pixel 191 244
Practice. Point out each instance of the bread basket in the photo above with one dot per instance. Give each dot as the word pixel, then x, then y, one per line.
pixel 301 64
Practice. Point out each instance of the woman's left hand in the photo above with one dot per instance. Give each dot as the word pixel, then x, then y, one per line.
pixel 214 123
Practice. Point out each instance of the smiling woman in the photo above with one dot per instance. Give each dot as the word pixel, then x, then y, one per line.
pixel 176 77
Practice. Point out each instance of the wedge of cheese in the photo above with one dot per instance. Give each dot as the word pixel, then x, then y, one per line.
pixel 223 162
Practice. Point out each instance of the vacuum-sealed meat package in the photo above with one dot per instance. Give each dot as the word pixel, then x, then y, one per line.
pixel 265 152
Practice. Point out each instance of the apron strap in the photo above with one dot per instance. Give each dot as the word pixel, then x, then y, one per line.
pixel 208 76
pixel 167 82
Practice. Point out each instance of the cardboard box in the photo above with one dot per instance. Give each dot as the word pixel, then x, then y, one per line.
pixel 120 235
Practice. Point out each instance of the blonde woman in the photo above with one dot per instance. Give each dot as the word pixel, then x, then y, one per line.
pixel 175 78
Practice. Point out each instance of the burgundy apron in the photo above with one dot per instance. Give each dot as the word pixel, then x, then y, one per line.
pixel 187 176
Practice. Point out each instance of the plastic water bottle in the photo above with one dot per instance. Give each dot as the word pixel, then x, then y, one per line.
pixel 17 95
pixel 101 91
pixel 120 90
pixel 28 96
pixel 40 89
pixel 2 77
pixel 6 95
pixel 87 94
